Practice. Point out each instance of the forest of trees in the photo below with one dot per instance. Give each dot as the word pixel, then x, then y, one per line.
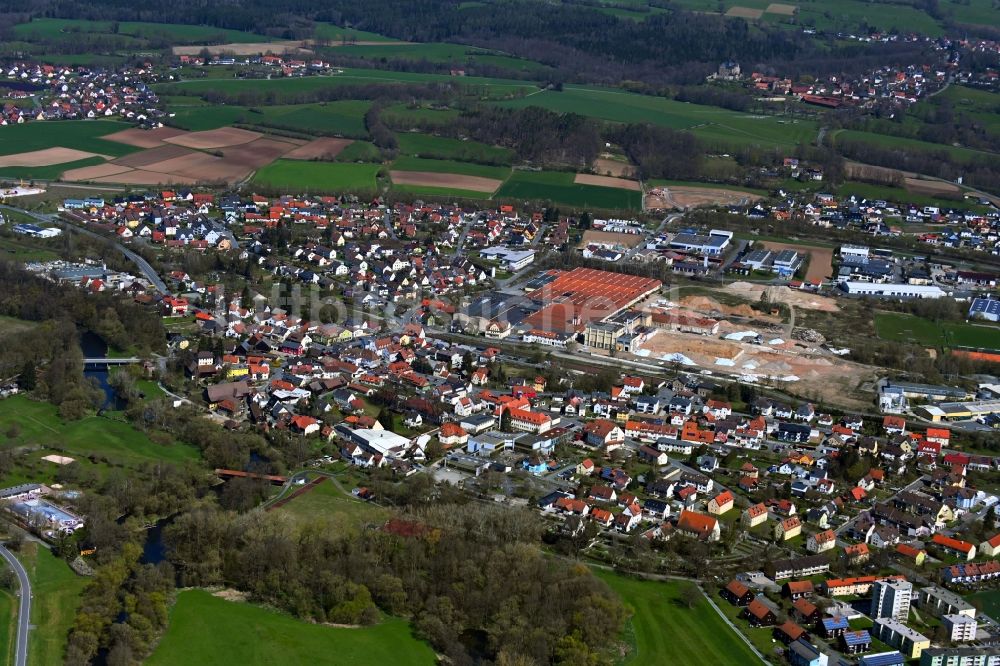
pixel 534 607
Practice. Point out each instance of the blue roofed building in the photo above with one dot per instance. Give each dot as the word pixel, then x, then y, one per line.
pixel 985 308
pixel 855 642
pixel 835 626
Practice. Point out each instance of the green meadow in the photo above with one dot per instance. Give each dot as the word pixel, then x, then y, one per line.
pixel 558 187
pixel 302 176
pixel 664 631
pixel 205 630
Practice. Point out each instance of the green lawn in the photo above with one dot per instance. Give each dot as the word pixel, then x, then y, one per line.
pixel 663 630
pixel 78 134
pixel 56 589
pixel 908 328
pixel 558 187
pixel 326 506
pixel 990 600
pixel 450 166
pixel 22 249
pixel 40 426
pixel 211 631
pixel 336 33
pixel 444 148
pixel 301 176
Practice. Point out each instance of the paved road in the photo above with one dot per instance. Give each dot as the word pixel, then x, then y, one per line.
pixel 140 263
pixel 24 609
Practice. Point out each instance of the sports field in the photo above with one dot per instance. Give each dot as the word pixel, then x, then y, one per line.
pixel 914 330
pixel 207 630
pixel 558 187
pixel 299 176
pixel 663 630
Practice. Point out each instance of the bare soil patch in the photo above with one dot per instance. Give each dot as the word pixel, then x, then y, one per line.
pixel 94 172
pixel 202 167
pixel 931 187
pixel 682 197
pixel 151 156
pixel 614 168
pixel 256 153
pixel 448 180
pixel 247 49
pixel 319 149
pixel 820 259
pixel 794 297
pixel 606 181
pixel 745 12
pixel 229 594
pixel 217 138
pixel 143 177
pixel 779 8
pixel 44 157
pixel 709 306
pixel 141 138
pixel 611 238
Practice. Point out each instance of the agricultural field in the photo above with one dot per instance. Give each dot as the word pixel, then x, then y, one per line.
pixel 908 328
pixel 663 630
pixel 338 34
pixel 457 54
pixel 558 187
pixel 50 29
pixel 207 630
pixel 715 125
pixel 350 76
pixel 340 118
pixel 981 105
pixel 95 442
pixel 449 166
pixel 444 148
pixel 56 591
pixel 79 135
pixel 299 176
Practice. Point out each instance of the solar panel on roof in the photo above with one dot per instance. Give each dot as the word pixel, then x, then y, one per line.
pixel 857 638
pixel 882 659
